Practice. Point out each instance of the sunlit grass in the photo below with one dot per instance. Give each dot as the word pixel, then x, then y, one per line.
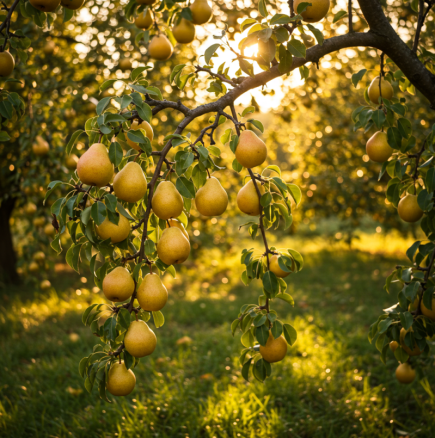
pixel 331 384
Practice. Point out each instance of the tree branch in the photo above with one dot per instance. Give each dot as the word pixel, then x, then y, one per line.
pixel 422 14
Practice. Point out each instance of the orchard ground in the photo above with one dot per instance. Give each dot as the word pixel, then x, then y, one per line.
pixel 331 384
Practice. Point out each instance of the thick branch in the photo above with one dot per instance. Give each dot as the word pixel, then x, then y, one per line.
pixel 8 17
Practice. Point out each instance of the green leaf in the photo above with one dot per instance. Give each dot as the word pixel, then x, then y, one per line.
pixel 277 329
pixel 287 298
pixel 295 192
pixel 257 124
pixel 297 48
pixel 185 187
pixel 290 334
pixel 87 312
pixel 262 334
pixel 338 16
pixel 98 212
pixel 103 104
pixel 245 369
pixel 158 318
pixel 73 140
pixel 210 52
pixel 356 77
pixel 124 318
pixel 280 19
pixel 270 282
pixel 262 8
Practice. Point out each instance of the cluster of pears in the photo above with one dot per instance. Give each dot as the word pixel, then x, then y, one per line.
pixel 379 151
pixel 160 48
pixel 314 13
pixel 38 260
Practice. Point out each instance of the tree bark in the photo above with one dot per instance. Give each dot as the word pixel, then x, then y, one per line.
pixel 8 259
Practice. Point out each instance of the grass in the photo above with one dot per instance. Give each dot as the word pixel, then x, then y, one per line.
pixel 331 384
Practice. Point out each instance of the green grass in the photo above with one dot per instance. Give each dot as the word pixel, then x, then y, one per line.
pixel 331 384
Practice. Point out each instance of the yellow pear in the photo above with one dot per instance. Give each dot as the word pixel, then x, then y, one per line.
pixel 405 373
pixel 130 183
pixel 428 312
pixel 40 147
pixel 144 20
pixel 248 200
pixel 178 224
pixel 173 247
pixel 49 230
pixel 415 351
pixel 7 64
pixel 408 209
pixel 160 48
pixel 167 201
pixel 314 13
pixel 94 166
pixel 45 284
pixel 30 208
pixel 146 127
pixel 275 349
pixel 39 221
pixel 140 340
pixel 394 345
pixel 152 293
pixel 120 380
pixel 71 162
pixel 211 199
pixel 118 285
pixel 125 64
pixel 117 233
pixel 39 256
pixel 201 11
pixel 377 147
pixel 33 267
pixel 251 150
pixel 184 31
pixel 275 268
pixel 386 88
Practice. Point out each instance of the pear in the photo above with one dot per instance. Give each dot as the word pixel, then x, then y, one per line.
pixel 117 233
pixel 251 150
pixel 30 208
pixel 39 256
pixel 408 209
pixel 40 147
pixel 118 285
pixel 386 88
pixel 144 20
pixel 173 247
pixel 428 312
pixel 120 380
pixel 71 162
pixel 39 221
pixel 125 64
pixel 140 340
pixel 7 64
pixel 94 167
pixel 314 13
pixel 45 5
pixel 393 345
pixel 275 349
pixel 160 48
pixel 33 267
pixel 130 183
pixel 148 130
pixel 178 224
pixel 377 147
pixel 45 284
pixel 152 293
pixel 275 268
pixel 405 373
pixel 211 199
pixel 201 11
pixel 50 47
pixel 167 201
pixel 248 200
pixel 184 31
pixel 72 4
pixel 415 351
pixel 49 230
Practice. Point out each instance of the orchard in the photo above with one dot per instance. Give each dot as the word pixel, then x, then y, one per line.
pixel 151 144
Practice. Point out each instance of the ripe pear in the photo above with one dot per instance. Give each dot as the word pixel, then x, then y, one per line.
pixel 144 20
pixel 211 199
pixel 45 284
pixel 39 221
pixel 130 183
pixel 251 150
pixel 125 64
pixel 120 380
pixel 173 247
pixel 33 267
pixel 275 268
pixel 408 209
pixel 184 31
pixel 160 48
pixel 94 167
pixel 7 64
pixel 152 293
pixel 201 11
pixel 248 200
pixel 428 312
pixel 386 88
pixel 178 224
pixel 167 201
pixel 45 5
pixel 117 233
pixel 275 349
pixel 377 147
pixel 72 4
pixel 71 162
pixel 393 345
pixel 140 340
pixel 146 127
pixel 49 230
pixel 40 147
pixel 415 351
pixel 405 373
pixel 118 285
pixel 314 13
pixel 30 208
pixel 39 256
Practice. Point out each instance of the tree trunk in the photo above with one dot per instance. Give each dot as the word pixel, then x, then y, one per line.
pixel 8 259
